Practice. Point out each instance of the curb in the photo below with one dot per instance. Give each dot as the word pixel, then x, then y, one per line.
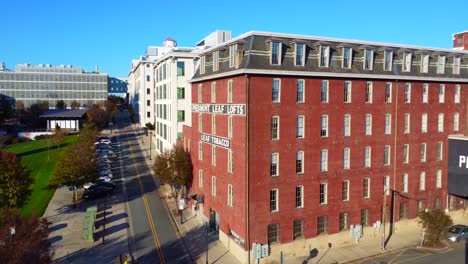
pixel 445 247
pixel 359 260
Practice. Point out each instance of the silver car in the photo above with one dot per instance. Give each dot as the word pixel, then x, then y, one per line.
pixel 457 232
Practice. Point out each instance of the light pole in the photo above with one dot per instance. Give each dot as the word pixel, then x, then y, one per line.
pixel 151 140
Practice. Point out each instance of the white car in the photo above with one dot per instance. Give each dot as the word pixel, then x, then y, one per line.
pixel 105 178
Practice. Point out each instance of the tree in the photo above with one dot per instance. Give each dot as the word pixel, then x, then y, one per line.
pixel 6 109
pixel 14 181
pixel 59 135
pixel 98 116
pixel 435 224
pixel 75 105
pixel 29 242
pixel 60 104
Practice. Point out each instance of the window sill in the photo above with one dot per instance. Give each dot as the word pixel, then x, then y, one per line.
pixel 300 173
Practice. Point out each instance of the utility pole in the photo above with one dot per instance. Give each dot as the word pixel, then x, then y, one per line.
pixel 384 216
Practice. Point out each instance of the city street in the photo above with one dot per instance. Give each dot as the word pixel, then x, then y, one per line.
pixel 152 238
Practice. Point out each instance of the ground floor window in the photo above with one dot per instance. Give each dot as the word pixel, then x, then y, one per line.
pixel 364 217
pixel 421 205
pixel 298 227
pixel 273 233
pixel 403 210
pixel 321 225
pixel 437 203
pixel 343 221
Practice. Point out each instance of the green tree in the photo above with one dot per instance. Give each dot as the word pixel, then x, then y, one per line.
pixel 58 136
pixel 29 244
pixel 435 224
pixel 14 181
pixel 98 116
pixel 75 105
pixel 6 109
pixel 60 104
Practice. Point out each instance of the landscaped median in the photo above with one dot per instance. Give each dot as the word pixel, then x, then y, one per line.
pixel 39 159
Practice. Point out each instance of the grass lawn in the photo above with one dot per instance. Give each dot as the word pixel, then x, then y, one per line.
pixel 34 158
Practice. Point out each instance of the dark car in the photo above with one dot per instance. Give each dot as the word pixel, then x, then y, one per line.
pixel 100 183
pixel 96 192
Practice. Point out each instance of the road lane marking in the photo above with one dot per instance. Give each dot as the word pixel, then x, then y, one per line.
pixel 147 208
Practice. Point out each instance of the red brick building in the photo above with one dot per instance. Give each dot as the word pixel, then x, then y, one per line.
pixel 460 40
pixel 296 137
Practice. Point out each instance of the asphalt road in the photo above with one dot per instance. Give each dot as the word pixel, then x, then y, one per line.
pixel 152 238
pixel 455 254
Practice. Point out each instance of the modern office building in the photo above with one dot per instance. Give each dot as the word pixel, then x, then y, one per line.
pixel 44 82
pixel 296 140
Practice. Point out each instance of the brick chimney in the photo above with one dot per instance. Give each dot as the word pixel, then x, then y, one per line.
pixel 460 40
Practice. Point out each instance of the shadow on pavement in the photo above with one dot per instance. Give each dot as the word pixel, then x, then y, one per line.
pixel 57 227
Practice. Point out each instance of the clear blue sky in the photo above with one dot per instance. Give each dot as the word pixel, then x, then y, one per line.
pixel 111 33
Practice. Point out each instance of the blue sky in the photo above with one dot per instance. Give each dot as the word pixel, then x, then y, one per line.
pixel 110 33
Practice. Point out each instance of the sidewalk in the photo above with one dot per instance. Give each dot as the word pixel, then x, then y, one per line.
pixel 192 230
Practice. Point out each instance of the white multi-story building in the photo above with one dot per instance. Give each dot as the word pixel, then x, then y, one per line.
pixel 140 90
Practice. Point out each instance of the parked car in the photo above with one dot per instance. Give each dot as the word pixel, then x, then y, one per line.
pixel 96 192
pixel 457 232
pixel 91 185
pixel 105 178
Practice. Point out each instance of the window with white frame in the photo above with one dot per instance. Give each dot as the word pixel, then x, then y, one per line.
pixel 368 92
pixel 424 63
pixel 388 124
pixel 406 127
pixel 273 233
pixel 229 159
pixel 387 155
pixel 368 59
pixel 213 155
pixel 406 153
pixel 366 188
pixel 456 65
pixel 407 97
pixel 456 122
pixel 213 186
pixel 347 92
pixel 215 60
pixel 343 221
pixel 347 56
pixel 200 122
pixel 232 55
pixel 345 190
pixel 213 124
pixel 425 93
pixel 388 92
pixel 275 58
pixel 321 225
pixel 300 162
pixel 213 92
pixel 323 193
pixel 441 65
pixel 202 64
pixel 439 179
pixel 440 123
pixel 404 183
pixel 200 178
pixel 274 207
pixel 457 94
pixel 324 56
pixel 346 158
pixel 439 150
pixel 200 151
pixel 199 93
pixel 299 196
pixel 275 125
pixel 442 93
pixel 407 61
pixel 276 91
pixel 323 160
pixel 368 124
pixel 347 125
pixel 424 123
pixel 300 127
pixel 229 91
pixel 324 92
pixel 367 157
pixel 300 91
pixel 230 126
pixel 386 183
pixel 423 152
pixel 300 54
pixel 324 126
pixel 230 195
pixel 422 181
pixel 274 164
pixel 388 60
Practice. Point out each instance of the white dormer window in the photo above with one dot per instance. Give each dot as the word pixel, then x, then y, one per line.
pixel 299 55
pixel 232 55
pixel 215 60
pixel 202 65
pixel 324 55
pixel 275 53
pixel 441 65
pixel 368 59
pixel 424 63
pixel 347 56
pixel 407 62
pixel 456 65
pixel 388 60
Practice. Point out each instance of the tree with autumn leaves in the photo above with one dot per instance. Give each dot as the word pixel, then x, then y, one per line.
pixel 14 181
